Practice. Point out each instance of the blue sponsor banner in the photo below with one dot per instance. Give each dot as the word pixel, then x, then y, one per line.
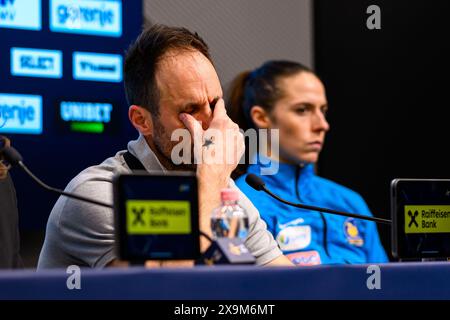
pixel 20 113
pixel 20 14
pixel 97 67
pixel 36 63
pixel 92 17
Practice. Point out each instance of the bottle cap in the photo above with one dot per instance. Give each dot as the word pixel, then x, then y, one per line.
pixel 229 195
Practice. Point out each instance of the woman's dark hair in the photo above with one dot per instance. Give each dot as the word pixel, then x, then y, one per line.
pixel 259 87
pixel 143 56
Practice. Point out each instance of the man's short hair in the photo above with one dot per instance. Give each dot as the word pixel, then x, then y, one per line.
pixel 143 56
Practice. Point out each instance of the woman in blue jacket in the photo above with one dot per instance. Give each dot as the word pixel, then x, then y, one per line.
pixel 288 96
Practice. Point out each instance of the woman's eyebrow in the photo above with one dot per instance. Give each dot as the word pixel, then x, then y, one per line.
pixel 303 104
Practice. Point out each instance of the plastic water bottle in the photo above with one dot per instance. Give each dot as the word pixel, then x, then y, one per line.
pixel 229 220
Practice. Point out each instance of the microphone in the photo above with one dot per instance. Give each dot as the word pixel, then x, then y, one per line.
pixel 258 184
pixel 13 157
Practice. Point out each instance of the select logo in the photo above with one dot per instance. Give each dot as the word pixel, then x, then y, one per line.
pixel 20 113
pixel 36 63
pixel 97 67
pixel 92 17
pixel 20 14
pixel 88 117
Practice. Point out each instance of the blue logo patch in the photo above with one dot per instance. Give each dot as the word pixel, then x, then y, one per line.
pixel 20 14
pixel 97 67
pixel 305 258
pixel 20 113
pixel 36 63
pixel 352 233
pixel 92 17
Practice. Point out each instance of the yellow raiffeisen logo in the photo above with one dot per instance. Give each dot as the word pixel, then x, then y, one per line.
pixel 158 217
pixel 427 219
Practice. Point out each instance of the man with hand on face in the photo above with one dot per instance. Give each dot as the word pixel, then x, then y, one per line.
pixel 170 84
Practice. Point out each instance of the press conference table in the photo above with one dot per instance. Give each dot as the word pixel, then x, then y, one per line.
pixel 430 280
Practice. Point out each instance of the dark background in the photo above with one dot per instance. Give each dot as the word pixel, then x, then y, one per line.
pixel 56 157
pixel 388 95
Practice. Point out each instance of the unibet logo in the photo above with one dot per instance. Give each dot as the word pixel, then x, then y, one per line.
pixel 20 14
pixel 88 117
pixel 96 17
pixel 20 113
pixel 86 111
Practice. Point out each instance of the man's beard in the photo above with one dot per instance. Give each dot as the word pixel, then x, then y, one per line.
pixel 164 145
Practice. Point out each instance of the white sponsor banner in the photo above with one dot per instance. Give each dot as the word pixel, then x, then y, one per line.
pixel 92 17
pixel 97 66
pixel 36 62
pixel 20 113
pixel 20 14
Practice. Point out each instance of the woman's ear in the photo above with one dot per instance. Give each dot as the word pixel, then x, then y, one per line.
pixel 140 119
pixel 260 117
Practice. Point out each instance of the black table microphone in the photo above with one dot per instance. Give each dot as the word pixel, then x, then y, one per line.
pixel 258 184
pixel 13 157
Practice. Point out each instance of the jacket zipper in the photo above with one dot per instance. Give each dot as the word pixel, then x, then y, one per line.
pixel 324 221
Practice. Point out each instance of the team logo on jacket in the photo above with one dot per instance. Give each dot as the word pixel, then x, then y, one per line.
pixel 294 238
pixel 352 233
pixel 305 258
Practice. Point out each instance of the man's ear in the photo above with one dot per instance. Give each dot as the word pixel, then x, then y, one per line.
pixel 260 117
pixel 141 119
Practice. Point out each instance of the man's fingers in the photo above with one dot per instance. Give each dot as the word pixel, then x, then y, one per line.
pixel 219 109
pixel 194 127
pixel 196 131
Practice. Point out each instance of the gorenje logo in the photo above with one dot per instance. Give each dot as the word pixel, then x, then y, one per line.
pixel 88 117
pixel 20 14
pixel 97 67
pixel 36 63
pixel 95 17
pixel 20 113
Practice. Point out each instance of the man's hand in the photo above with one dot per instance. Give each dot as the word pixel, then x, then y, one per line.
pixel 217 152
pixel 218 149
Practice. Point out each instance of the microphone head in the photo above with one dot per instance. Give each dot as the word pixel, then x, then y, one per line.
pixel 11 155
pixel 255 182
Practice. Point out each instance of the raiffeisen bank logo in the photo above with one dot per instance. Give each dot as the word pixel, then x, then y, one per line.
pixel 20 14
pixel 91 117
pixel 20 113
pixel 36 63
pixel 94 17
pixel 97 67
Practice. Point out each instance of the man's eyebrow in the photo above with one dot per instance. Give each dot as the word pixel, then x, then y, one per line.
pixel 198 104
pixel 190 105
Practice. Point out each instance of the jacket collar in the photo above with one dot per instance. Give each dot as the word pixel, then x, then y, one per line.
pixel 141 150
pixel 287 176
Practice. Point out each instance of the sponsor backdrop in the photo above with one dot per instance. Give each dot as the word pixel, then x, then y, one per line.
pixel 61 89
